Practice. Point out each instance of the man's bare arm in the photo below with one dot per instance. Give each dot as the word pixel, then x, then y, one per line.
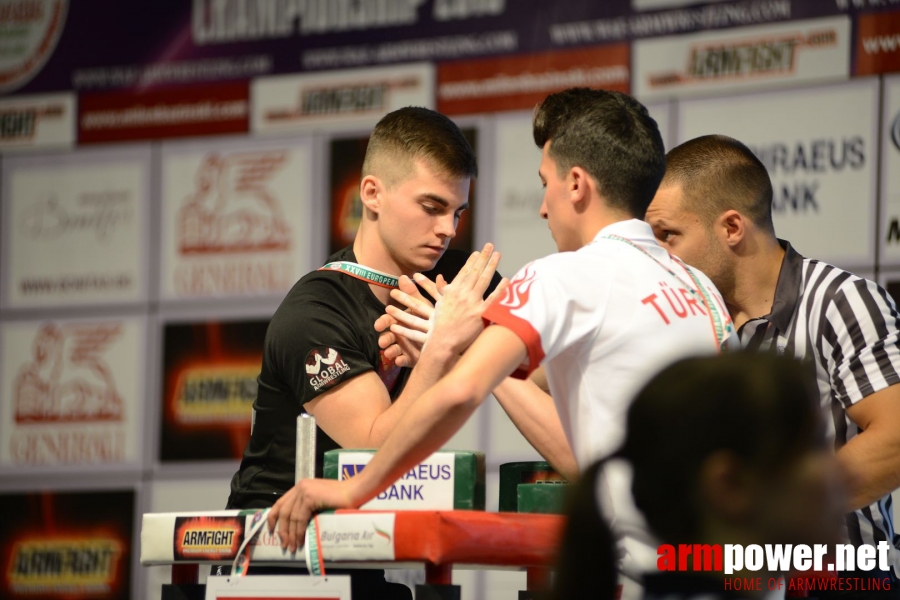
pixel 425 427
pixel 872 458
pixel 534 414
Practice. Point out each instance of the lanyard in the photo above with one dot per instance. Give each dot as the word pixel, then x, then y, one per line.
pixel 721 328
pixel 365 273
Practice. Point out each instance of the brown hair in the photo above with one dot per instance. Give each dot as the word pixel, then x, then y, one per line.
pixel 719 173
pixel 418 133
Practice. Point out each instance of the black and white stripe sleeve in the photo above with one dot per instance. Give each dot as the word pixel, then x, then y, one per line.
pixel 860 334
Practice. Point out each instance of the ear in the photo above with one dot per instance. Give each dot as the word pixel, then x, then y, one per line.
pixel 371 193
pixel 732 227
pixel 726 487
pixel 577 182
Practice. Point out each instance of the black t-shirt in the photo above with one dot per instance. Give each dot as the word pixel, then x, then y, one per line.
pixel 321 335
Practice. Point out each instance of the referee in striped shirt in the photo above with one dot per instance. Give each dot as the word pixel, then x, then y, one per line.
pixel 714 210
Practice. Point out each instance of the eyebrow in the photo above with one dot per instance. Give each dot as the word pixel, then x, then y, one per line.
pixel 442 202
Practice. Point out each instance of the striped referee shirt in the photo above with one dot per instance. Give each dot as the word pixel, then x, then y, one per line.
pixel 847 327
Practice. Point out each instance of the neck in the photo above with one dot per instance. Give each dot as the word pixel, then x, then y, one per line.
pixel 756 271
pixel 591 225
pixel 371 252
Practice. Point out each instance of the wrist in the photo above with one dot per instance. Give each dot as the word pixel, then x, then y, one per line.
pixel 439 350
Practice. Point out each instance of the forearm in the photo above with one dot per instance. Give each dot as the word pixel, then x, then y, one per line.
pixel 425 427
pixel 871 461
pixel 436 361
pixel 535 416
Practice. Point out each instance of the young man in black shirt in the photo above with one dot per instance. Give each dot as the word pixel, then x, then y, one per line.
pixel 321 351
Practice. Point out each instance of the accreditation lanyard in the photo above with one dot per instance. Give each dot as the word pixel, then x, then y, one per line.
pixel 364 273
pixel 720 327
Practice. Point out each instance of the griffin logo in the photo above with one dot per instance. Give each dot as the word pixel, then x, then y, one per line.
pixel 516 295
pixel 324 366
pixel 232 208
pixel 68 378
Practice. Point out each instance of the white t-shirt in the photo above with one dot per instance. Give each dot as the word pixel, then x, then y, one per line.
pixel 603 320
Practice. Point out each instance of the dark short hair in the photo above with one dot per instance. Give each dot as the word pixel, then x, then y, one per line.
pixel 719 173
pixel 414 132
pixel 611 136
pixel 762 408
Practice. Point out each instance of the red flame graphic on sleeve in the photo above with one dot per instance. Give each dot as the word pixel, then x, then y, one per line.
pixel 516 295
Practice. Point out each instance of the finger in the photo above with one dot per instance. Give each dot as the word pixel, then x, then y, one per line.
pixel 272 518
pixel 383 322
pixel 393 352
pixel 429 286
pixel 468 270
pixel 487 275
pixel 421 306
pixel 441 282
pixel 481 261
pixel 410 320
pixel 402 361
pixel 498 291
pixel 386 340
pixel 412 334
pixel 283 532
pixel 407 285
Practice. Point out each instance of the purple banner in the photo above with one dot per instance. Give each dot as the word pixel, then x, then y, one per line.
pixel 55 45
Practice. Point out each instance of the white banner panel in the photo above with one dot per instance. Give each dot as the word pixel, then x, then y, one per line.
pixel 354 97
pixel 741 58
pixel 235 218
pixel 75 228
pixel 521 235
pixel 74 392
pixel 42 121
pixel 819 145
pixel 889 236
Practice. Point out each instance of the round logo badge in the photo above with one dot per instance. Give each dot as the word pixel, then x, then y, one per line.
pixel 895 132
pixel 29 30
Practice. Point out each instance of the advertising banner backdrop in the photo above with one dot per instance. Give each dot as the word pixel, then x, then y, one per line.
pixel 67 546
pixel 209 109
pixel 521 81
pixel 354 97
pixel 75 228
pixel 819 146
pixel 45 121
pixel 210 372
pixel 236 218
pixel 877 43
pixel 521 235
pixel 889 235
pixel 750 57
pixel 74 390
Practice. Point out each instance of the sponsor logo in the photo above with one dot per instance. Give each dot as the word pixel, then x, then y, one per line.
pixel 98 213
pixel 324 366
pixel 766 56
pixel 232 208
pixel 208 538
pixel 68 378
pixel 216 393
pixel 222 21
pixel 21 124
pixel 516 295
pixel 344 99
pixel 35 25
pixel 895 132
pixel 64 566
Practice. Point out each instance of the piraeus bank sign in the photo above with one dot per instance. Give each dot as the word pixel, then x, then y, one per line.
pixel 427 486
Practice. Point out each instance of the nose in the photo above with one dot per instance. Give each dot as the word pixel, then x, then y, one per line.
pixel 446 226
pixel 543 209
